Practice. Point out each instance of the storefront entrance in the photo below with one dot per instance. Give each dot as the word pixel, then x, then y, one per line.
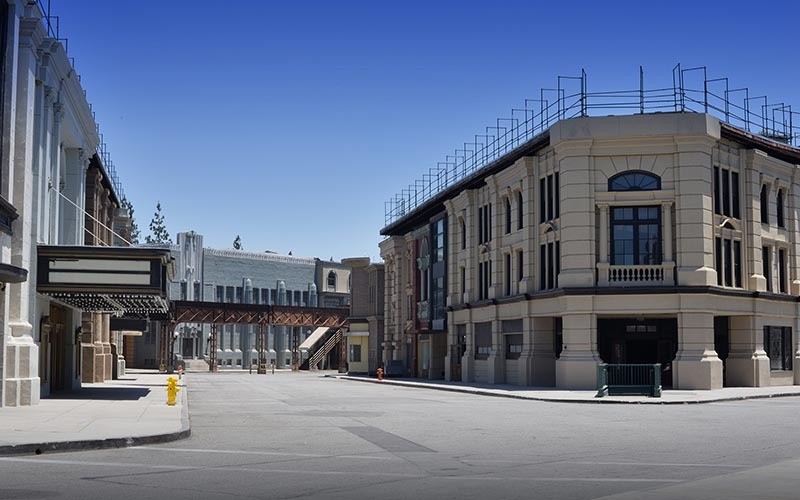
pixel 58 348
pixel 634 341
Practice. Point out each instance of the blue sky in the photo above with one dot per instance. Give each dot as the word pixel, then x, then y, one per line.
pixel 290 123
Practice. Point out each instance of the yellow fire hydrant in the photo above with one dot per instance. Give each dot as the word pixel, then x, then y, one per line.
pixel 172 390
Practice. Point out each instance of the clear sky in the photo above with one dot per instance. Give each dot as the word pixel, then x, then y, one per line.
pixel 290 123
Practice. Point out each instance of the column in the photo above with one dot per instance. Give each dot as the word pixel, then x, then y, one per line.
pixel 668 261
pixel 577 366
pixel 602 264
pixel 468 359
pixel 694 217
pixel 53 181
pixel 696 365
pixel 20 356
pixel 525 362
pixel 577 223
pixel 104 321
pixel 747 364
pixel 497 359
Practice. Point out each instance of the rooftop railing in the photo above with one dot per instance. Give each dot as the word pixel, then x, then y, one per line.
pixel 691 91
pixel 52 25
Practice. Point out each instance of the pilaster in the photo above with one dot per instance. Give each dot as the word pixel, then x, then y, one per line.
pixel 696 364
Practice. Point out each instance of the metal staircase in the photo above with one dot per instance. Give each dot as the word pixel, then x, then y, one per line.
pixel 318 356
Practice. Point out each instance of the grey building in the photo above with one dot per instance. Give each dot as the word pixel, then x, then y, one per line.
pixel 239 276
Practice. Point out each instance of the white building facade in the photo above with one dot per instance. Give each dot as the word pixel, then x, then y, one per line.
pixel 666 238
pixel 49 136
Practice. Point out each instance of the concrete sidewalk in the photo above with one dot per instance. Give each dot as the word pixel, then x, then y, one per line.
pixel 560 396
pixel 125 412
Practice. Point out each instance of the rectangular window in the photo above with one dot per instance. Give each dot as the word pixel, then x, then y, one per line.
pixel 519 210
pixel 513 346
pixel 229 297
pixel 183 290
pixel 635 236
pixel 489 222
pixel 508 216
pixel 543 267
pixel 550 207
pixel 558 261
pixel 239 295
pixel 767 267
pixel 782 270
pixel 508 274
pixel 550 268
pixel 778 346
pixel 728 260
pixel 779 208
pixel 480 225
pixel 764 204
pixel 726 192
pixel 726 245
pixel 197 295
pixel 220 294
pixel 520 268
pixel 463 280
pixel 265 295
pixel 542 200
pixel 483 340
pixel 557 196
pixel 355 353
pixel 463 235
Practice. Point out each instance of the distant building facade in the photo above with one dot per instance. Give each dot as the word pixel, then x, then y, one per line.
pixel 239 276
pixel 365 333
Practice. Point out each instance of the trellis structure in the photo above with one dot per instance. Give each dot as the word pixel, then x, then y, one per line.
pixel 226 313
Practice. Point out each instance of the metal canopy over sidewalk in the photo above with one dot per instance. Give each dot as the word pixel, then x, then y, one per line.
pixel 123 281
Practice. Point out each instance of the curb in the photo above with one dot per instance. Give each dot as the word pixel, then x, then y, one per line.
pixel 482 392
pixel 102 444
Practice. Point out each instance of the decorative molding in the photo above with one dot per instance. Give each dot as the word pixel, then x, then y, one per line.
pixel 243 254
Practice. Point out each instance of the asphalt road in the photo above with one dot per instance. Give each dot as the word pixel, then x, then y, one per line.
pixel 302 436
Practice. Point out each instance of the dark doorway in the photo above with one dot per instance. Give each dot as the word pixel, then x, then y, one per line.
pixel 58 348
pixel 722 341
pixel 639 341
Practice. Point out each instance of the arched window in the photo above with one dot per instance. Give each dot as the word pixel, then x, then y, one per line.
pixel 331 281
pixel 779 208
pixel 764 204
pixel 634 181
pixel 519 209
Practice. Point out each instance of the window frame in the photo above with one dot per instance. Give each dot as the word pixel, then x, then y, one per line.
pixel 784 360
pixel 631 173
pixel 764 201
pixel 635 222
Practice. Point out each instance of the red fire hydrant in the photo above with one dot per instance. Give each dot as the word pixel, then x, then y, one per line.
pixel 380 373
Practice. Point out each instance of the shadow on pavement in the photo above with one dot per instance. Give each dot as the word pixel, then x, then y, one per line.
pixel 104 393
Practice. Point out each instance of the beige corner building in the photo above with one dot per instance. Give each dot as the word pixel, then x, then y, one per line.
pixel 666 238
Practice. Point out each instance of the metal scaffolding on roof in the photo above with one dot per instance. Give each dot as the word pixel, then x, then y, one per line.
pixel 692 91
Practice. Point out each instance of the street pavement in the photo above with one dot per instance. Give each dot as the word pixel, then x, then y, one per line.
pixel 304 436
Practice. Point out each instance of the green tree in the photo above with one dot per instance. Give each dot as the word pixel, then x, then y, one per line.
pixel 158 229
pixel 237 243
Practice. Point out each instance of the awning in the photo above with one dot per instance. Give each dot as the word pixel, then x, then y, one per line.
pixel 124 281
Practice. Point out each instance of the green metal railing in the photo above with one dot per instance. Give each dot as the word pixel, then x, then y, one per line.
pixel 629 379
